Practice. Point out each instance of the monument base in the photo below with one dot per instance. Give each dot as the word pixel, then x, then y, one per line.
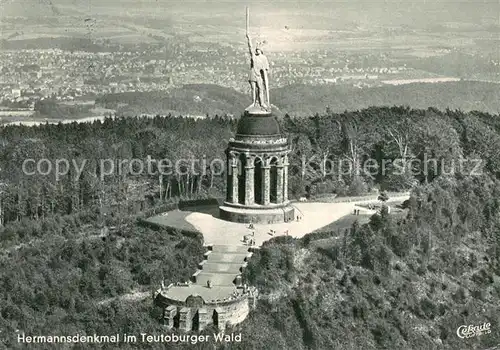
pixel 255 109
pixel 257 214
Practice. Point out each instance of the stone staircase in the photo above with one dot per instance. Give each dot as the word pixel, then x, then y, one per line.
pixel 193 305
pixel 219 267
pixel 222 265
pixel 216 279
pixel 236 258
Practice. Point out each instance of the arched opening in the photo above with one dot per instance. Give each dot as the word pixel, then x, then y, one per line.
pixel 273 180
pixel 177 319
pixel 215 318
pixel 242 162
pixel 257 184
pixel 195 324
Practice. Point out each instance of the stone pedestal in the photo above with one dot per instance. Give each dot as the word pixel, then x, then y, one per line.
pixel 258 143
pixel 168 316
pixel 185 319
pixel 257 214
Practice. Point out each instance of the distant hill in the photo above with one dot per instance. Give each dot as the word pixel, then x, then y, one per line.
pixel 192 99
pixel 464 95
pixel 303 100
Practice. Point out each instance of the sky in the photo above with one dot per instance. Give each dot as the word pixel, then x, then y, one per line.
pixel 324 14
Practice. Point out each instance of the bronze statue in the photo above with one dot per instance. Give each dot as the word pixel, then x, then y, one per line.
pixel 258 77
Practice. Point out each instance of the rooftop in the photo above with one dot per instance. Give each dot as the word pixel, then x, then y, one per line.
pixel 262 124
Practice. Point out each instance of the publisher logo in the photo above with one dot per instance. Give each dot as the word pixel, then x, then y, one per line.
pixel 470 331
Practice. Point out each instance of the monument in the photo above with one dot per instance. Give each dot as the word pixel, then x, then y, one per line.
pixel 257 192
pixel 257 157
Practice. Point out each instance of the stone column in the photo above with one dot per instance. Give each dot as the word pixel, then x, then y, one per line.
pixel 203 319
pixel 266 186
pixel 249 184
pixel 185 321
pixel 252 300
pixel 168 316
pixel 223 319
pixel 229 195
pixel 234 180
pixel 279 186
pixel 285 182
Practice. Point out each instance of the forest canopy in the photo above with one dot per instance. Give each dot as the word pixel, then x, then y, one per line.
pixel 75 260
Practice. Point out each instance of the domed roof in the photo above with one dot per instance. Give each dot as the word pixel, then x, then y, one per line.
pixel 258 125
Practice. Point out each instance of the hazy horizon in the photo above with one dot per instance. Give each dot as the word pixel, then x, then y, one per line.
pixel 418 13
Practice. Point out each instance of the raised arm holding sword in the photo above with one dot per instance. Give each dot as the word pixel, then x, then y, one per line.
pixel 258 77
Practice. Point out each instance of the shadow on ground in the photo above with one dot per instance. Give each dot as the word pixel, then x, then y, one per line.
pixel 176 219
pixel 345 223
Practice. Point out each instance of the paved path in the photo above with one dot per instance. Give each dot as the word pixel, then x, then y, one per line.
pixel 315 215
pixel 228 255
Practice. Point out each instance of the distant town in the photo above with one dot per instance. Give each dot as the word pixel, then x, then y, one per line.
pixel 72 77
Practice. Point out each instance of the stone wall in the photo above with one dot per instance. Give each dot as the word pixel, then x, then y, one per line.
pixel 238 312
pixel 258 216
pixel 367 198
pixel 198 318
